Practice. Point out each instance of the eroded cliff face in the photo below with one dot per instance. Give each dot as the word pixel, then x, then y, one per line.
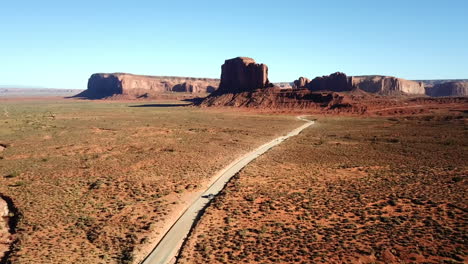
pixel 340 82
pixel 243 74
pixel 387 85
pixel 455 88
pixel 102 85
pixel 336 82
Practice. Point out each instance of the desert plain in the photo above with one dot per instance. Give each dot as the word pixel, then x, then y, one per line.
pixel 101 176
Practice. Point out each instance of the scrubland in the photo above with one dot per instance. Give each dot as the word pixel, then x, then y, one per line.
pixel 346 190
pixel 93 181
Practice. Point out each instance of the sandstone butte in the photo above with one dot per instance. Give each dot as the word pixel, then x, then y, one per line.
pixel 243 74
pixel 101 85
pixel 244 83
pixel 339 82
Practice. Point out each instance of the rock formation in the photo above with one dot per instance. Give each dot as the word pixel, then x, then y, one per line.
pixel 4 228
pixel 8 220
pixel 339 82
pixel 302 82
pixel 387 85
pixel 277 98
pixel 102 85
pixel 452 88
pixel 242 74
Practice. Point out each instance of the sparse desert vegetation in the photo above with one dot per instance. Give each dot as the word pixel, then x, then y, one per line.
pixel 347 190
pixel 256 132
pixel 93 181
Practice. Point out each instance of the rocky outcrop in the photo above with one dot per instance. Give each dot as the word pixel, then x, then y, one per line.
pixel 339 82
pixel 5 236
pixel 302 82
pixel 195 87
pixel 387 85
pixel 102 85
pixel 336 82
pixel 455 88
pixel 9 217
pixel 242 74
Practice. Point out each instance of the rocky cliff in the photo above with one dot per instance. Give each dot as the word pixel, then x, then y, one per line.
pixel 336 82
pixel 386 85
pixel 455 88
pixel 242 74
pixel 339 82
pixel 101 85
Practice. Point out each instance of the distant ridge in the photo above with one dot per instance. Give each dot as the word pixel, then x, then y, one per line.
pixel 36 92
pixel 19 86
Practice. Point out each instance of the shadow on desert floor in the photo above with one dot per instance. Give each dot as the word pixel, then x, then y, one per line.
pixel 160 105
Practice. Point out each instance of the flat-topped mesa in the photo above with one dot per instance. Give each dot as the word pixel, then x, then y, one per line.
pixel 102 85
pixel 242 74
pixel 453 88
pixel 387 85
pixel 339 82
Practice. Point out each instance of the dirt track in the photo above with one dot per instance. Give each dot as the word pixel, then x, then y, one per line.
pixel 167 248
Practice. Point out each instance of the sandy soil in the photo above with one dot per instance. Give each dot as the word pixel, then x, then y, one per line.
pixel 96 181
pixel 373 190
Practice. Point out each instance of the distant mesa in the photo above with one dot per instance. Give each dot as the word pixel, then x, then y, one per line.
pixel 451 88
pixel 243 74
pixel 245 83
pixel 284 85
pixel 387 85
pixel 336 82
pixel 302 82
pixel 340 82
pixel 103 85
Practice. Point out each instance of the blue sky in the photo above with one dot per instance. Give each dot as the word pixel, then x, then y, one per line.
pixel 59 44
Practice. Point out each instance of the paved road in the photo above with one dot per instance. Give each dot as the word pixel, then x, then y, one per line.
pixel 167 249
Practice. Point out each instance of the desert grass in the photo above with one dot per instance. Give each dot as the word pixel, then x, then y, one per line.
pixel 348 190
pixel 93 180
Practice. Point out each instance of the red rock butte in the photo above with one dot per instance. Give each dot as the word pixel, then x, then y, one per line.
pixel 243 74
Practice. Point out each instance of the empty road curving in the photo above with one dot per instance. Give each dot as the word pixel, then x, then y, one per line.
pixel 168 247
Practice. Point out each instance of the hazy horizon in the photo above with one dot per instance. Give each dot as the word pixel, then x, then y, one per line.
pixel 60 44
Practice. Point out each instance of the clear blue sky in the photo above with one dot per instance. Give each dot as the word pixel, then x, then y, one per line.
pixel 59 44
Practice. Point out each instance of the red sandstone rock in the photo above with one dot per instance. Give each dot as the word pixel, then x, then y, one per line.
pixel 456 88
pixel 387 85
pixel 302 82
pixel 102 85
pixel 337 82
pixel 242 74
